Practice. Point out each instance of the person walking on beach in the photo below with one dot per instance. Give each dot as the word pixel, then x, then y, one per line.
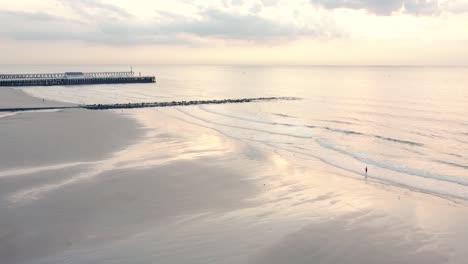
pixel 366 171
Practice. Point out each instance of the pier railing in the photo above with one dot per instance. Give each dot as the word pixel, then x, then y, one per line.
pixel 66 75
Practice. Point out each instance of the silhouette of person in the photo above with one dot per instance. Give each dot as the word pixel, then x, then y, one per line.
pixel 366 172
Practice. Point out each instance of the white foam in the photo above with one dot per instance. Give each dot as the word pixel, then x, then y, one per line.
pixel 31 170
pixel 7 114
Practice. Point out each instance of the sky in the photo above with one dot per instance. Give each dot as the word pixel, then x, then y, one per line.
pixel 292 32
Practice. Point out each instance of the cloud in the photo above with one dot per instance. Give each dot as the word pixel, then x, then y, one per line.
pixel 93 8
pixel 269 2
pixel 421 7
pixel 37 26
pixel 98 22
pixel 383 7
pixel 455 6
pixel 222 24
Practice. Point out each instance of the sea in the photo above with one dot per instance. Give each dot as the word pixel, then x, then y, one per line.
pixel 407 124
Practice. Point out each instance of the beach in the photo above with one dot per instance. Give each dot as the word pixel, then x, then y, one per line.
pixel 234 132
pixel 253 183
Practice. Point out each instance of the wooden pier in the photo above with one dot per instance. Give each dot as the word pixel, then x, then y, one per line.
pixel 72 78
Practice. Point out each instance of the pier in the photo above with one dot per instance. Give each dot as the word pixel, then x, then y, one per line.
pixel 72 78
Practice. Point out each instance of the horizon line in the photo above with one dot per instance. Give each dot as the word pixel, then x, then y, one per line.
pixel 237 64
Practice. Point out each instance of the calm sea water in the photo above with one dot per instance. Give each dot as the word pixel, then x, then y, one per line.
pixel 408 125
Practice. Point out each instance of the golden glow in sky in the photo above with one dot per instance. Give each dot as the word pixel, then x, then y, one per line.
pixel 421 32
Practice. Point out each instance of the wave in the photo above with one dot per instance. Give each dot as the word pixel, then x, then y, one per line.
pixel 337 130
pixel 442 190
pixel 399 141
pixel 452 164
pixel 250 119
pixel 349 132
pixel 337 122
pixel 425 134
pixel 453 154
pixel 394 167
pixel 394 170
pixel 283 115
pixel 460 141
pixel 417 118
pixel 352 132
pixel 246 128
pixel 415 151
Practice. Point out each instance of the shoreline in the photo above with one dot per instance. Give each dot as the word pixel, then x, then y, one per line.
pixel 186 193
pixel 44 138
pixel 15 97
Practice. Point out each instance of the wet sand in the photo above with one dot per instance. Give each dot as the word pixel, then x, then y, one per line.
pixel 11 97
pixel 48 138
pixel 183 192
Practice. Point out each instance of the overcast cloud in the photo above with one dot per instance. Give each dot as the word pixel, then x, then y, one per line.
pixel 99 21
pixel 105 23
pixel 384 7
